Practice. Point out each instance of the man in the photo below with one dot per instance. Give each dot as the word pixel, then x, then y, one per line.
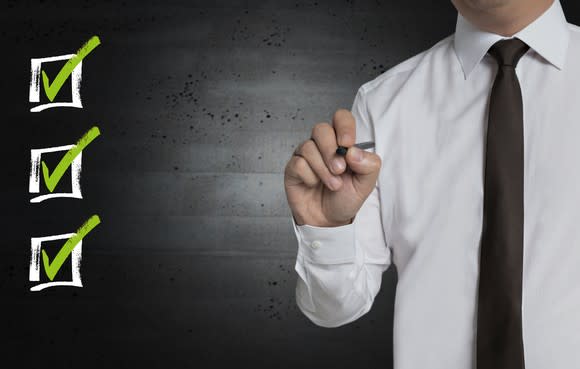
pixel 472 191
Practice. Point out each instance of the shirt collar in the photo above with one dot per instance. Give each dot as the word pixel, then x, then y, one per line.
pixel 547 35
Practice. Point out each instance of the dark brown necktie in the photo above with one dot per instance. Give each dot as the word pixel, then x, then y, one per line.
pixel 499 315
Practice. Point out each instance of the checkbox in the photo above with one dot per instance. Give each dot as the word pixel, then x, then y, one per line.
pixel 71 249
pixel 71 159
pixel 75 85
pixel 35 170
pixel 75 259
pixel 71 69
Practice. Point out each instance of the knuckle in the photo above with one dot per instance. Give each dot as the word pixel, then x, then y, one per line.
pixel 308 148
pixel 300 148
pixel 311 180
pixel 319 128
pixel 340 114
pixel 300 164
pixel 291 163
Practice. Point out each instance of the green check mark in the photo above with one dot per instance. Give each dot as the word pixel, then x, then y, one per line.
pixel 52 89
pixel 51 180
pixel 52 268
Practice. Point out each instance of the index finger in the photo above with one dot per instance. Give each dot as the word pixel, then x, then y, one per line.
pixel 345 127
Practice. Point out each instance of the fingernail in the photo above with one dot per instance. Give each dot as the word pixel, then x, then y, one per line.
pixel 344 139
pixel 335 183
pixel 338 165
pixel 357 153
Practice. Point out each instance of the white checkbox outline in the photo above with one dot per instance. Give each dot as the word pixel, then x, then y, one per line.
pixel 34 91
pixel 34 181
pixel 34 270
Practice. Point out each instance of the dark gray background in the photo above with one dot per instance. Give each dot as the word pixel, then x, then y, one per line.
pixel 200 105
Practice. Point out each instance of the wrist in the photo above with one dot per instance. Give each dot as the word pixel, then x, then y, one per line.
pixel 321 223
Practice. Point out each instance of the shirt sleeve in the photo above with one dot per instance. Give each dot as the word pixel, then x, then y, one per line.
pixel 340 268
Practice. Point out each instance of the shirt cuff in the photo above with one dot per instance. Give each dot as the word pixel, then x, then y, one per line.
pixel 326 245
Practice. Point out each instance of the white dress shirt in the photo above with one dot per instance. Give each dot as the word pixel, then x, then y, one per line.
pixel 428 117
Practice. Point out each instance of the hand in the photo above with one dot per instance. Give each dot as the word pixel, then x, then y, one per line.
pixel 320 189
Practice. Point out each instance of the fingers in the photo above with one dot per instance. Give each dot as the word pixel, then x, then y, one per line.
pixel 299 172
pixel 328 137
pixel 316 160
pixel 325 138
pixel 308 161
pixel 345 127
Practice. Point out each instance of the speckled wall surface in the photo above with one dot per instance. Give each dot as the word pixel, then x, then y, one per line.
pixel 200 105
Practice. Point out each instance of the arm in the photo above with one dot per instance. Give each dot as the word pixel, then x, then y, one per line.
pixel 341 275
pixel 340 268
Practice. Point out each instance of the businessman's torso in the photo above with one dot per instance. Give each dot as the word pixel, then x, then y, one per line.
pixel 429 125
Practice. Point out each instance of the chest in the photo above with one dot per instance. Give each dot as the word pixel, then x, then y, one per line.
pixel 432 139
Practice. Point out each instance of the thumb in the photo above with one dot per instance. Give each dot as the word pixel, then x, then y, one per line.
pixel 365 167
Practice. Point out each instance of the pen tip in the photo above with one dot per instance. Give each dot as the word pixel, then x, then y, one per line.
pixel 341 150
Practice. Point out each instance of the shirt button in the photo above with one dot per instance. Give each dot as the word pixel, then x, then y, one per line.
pixel 315 244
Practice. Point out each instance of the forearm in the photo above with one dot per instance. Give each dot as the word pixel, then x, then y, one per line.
pixel 336 282
pixel 334 295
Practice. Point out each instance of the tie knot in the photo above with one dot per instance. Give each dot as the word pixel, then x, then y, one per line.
pixel 507 52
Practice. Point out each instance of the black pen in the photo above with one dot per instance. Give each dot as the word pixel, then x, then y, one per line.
pixel 341 150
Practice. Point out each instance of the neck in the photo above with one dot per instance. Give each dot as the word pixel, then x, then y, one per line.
pixel 506 19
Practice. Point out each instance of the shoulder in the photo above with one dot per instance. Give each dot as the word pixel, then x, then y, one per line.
pixel 574 30
pixel 397 74
pixel 573 50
